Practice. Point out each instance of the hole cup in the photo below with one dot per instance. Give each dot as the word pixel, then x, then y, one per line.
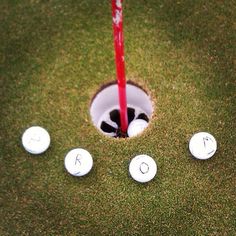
pixel 104 109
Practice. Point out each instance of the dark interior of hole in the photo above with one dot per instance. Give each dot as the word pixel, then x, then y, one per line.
pixel 107 128
pixel 115 117
pixel 143 116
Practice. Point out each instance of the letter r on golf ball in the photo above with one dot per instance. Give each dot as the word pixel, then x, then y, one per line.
pixel 78 159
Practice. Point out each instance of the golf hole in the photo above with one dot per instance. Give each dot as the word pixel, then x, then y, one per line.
pixel 104 109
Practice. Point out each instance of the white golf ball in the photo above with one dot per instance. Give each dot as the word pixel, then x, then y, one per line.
pixel 136 127
pixel 142 168
pixel 36 140
pixel 78 162
pixel 202 145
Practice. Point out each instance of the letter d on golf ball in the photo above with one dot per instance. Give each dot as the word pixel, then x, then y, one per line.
pixel 78 162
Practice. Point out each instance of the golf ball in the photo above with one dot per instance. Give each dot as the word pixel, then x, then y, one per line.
pixel 78 162
pixel 142 168
pixel 35 140
pixel 202 145
pixel 136 127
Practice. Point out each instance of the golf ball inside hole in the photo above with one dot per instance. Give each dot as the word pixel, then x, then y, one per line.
pixel 35 140
pixel 142 168
pixel 202 145
pixel 78 162
pixel 136 127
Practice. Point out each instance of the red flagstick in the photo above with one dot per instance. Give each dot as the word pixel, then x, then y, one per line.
pixel 120 62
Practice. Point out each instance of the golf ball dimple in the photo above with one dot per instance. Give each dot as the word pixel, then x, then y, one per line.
pixel 36 140
pixel 142 168
pixel 202 145
pixel 78 162
pixel 136 127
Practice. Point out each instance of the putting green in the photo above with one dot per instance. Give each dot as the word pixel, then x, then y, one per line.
pixel 55 55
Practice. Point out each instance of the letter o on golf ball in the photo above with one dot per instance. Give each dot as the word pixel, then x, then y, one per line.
pixel 142 168
pixel 202 145
pixel 78 162
pixel 137 127
pixel 36 140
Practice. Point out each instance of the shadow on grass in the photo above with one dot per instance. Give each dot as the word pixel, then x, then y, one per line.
pixel 208 25
pixel 27 44
pixel 35 34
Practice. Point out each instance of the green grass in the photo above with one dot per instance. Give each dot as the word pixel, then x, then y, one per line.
pixel 54 56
